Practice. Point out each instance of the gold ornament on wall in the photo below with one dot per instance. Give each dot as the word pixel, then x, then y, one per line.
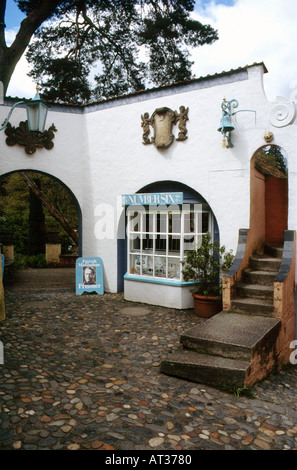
pixel 162 121
pixel 268 137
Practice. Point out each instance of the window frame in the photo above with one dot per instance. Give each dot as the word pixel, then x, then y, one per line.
pixel 149 256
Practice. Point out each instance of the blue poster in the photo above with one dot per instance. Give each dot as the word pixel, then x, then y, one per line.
pixel 89 275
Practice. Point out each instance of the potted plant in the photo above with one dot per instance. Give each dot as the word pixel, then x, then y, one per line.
pixel 204 265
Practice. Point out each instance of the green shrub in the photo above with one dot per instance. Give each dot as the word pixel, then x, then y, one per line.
pixel 205 265
pixel 25 261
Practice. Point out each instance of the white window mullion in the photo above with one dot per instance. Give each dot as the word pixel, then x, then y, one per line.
pixel 140 240
pixel 211 226
pixel 196 222
pixel 167 242
pixel 182 231
pixel 129 244
pixel 154 240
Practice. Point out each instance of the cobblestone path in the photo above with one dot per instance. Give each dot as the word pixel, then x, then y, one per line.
pixel 82 372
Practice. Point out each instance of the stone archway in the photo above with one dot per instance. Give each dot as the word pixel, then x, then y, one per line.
pixel 165 219
pixel 56 236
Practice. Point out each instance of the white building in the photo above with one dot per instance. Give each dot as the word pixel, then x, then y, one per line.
pixel 102 152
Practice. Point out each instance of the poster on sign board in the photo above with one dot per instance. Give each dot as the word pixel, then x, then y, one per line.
pixel 89 275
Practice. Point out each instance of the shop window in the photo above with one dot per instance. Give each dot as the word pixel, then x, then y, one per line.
pixel 159 238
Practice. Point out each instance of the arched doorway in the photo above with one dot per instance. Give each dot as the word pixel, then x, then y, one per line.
pixel 269 195
pixel 41 223
pixel 155 254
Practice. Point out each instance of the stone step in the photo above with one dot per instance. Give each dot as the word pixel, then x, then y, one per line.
pixel 256 291
pixel 274 251
pixel 203 368
pixel 259 277
pixel 264 263
pixel 229 335
pixel 224 351
pixel 250 306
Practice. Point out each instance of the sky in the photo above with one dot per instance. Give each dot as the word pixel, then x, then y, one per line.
pixel 249 31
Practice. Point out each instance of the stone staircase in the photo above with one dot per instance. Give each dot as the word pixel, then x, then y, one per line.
pixel 254 295
pixel 236 348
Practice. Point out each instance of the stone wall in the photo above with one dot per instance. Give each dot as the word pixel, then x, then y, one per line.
pixel 284 298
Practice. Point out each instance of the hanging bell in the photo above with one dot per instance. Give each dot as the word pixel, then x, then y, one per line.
pixel 226 124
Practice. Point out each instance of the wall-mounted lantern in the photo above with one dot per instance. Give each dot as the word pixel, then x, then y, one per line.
pixel 36 113
pixel 31 133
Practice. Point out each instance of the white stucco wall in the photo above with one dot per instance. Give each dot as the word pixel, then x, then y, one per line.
pixel 99 154
pixel 65 161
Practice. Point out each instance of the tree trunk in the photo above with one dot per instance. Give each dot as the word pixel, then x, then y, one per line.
pixel 36 243
pixel 50 208
pixel 2 301
pixel 10 56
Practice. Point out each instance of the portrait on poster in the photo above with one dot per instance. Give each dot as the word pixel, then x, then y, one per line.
pixel 89 275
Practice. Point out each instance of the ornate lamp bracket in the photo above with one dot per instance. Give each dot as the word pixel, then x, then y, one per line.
pixel 21 135
pixel 31 133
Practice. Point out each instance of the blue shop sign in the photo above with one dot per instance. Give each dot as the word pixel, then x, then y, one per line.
pixel 146 199
pixel 89 275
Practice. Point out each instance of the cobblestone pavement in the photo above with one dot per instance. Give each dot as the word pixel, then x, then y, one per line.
pixel 82 372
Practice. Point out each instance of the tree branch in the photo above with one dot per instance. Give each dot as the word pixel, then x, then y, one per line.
pixel 32 22
pixel 50 208
pixel 2 24
pixel 10 56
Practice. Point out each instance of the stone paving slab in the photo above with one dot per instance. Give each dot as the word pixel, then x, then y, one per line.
pixel 43 278
pixel 241 330
pixel 81 373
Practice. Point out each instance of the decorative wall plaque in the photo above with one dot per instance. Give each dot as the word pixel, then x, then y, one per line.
pixel 162 121
pixel 30 140
pixel 268 137
pixel 282 112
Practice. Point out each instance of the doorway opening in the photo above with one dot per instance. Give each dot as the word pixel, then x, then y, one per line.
pixel 156 252
pixel 40 223
pixel 269 195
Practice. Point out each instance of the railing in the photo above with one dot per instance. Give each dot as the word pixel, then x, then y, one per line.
pixel 240 263
pixel 284 288
pixel 284 297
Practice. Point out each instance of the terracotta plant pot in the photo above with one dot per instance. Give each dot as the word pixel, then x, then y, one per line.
pixel 206 307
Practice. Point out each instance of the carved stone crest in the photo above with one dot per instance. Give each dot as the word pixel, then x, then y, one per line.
pixel 162 121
